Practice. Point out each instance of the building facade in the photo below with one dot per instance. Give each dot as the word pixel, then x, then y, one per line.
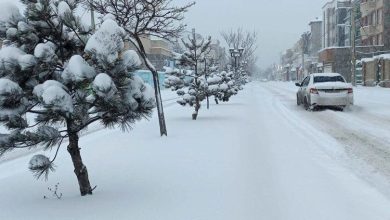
pixel 334 28
pixel 375 23
pixel 158 51
pixel 315 37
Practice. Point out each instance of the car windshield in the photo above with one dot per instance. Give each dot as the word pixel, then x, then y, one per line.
pixel 322 79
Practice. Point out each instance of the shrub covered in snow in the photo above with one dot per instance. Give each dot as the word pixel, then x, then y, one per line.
pixel 55 71
pixel 222 85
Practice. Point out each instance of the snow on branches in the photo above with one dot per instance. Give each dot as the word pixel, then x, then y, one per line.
pixel 196 49
pixel 106 44
pixel 222 85
pixel 57 78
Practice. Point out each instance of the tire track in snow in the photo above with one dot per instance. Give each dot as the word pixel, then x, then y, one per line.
pixel 368 151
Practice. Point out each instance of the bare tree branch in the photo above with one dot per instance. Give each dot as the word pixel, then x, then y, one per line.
pixel 239 38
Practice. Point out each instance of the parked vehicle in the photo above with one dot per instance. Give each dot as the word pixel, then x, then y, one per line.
pixel 324 90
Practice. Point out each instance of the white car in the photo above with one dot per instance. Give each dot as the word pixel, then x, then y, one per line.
pixel 324 89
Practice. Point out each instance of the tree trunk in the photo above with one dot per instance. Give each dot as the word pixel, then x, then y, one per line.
pixel 197 107
pixel 216 101
pixel 79 168
pixel 160 108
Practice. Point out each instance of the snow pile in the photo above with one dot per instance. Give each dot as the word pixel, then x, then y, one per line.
pixel 78 70
pixel 27 61
pixel 63 10
pixel 9 11
pixel 188 98
pixel 103 86
pixel 11 33
pixel 9 16
pixel 53 95
pixel 140 92
pixel 55 98
pixel 45 52
pixel 7 88
pixel 12 58
pixel 39 89
pixel 214 80
pixel 213 88
pixel 23 27
pixel 224 87
pixel 173 82
pixel 109 17
pixel 175 78
pixel 131 59
pixel 39 162
pixel 106 44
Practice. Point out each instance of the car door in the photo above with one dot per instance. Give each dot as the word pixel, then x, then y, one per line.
pixel 303 88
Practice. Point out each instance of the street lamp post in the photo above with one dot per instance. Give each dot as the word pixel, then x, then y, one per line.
pixel 236 53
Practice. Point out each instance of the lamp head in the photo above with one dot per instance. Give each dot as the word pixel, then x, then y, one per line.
pixel 241 50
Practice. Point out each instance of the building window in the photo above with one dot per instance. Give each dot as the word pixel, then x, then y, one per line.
pixel 380 39
pixel 380 16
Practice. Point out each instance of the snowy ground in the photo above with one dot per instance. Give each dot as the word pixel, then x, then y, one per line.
pixel 258 157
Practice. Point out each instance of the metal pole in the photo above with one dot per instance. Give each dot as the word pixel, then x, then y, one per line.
pixel 303 60
pixel 236 64
pixel 353 45
pixel 205 76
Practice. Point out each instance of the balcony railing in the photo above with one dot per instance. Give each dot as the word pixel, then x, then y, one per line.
pixel 368 7
pixel 370 30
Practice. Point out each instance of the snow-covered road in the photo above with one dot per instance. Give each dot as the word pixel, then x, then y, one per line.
pixel 257 157
pixel 362 131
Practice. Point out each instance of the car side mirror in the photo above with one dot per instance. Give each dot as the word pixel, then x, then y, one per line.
pixel 298 84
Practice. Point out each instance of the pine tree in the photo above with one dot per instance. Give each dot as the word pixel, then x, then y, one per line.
pixel 57 78
pixel 141 18
pixel 222 85
pixel 196 49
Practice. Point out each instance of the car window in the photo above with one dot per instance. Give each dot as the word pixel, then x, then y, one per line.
pixel 322 79
pixel 306 81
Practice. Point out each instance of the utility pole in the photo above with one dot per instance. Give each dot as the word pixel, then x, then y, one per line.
pixel 353 44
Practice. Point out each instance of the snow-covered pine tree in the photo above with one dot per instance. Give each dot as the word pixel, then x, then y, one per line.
pixel 142 18
pixel 56 79
pixel 222 85
pixel 213 81
pixel 196 49
pixel 242 77
pixel 228 87
pixel 175 79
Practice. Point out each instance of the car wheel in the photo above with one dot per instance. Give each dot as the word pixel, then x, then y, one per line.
pixel 298 101
pixel 306 104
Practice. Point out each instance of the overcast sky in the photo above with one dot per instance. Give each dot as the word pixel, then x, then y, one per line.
pixel 279 23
